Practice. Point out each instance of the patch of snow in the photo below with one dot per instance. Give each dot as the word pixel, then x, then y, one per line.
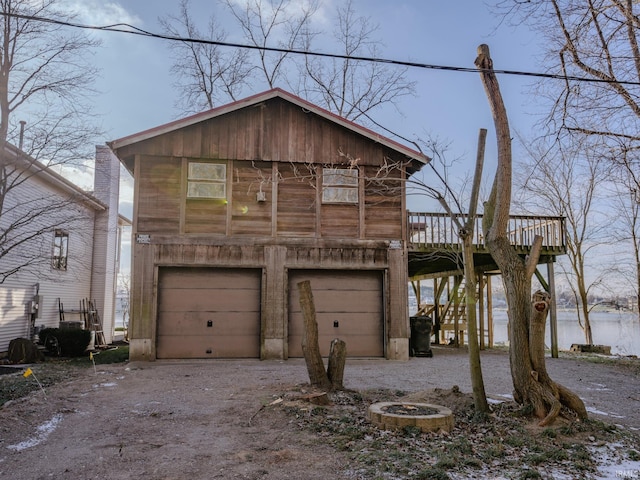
pixel 106 384
pixel 599 387
pixel 42 433
pixel 500 398
pixel 611 465
pixel 606 414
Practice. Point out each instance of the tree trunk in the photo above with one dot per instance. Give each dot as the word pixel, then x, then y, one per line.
pixel 310 347
pixel 337 360
pixel 477 382
pixel 466 234
pixel 532 385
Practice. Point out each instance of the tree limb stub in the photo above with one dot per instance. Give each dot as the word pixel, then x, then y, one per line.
pixel 501 121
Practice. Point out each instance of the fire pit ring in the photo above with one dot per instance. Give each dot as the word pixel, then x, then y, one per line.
pixel 398 415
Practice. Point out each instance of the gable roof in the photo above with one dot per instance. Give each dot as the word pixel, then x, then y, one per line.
pixel 46 174
pixel 256 99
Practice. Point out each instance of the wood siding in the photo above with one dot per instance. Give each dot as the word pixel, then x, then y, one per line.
pixel 159 194
pixel 382 202
pixel 297 202
pixel 274 131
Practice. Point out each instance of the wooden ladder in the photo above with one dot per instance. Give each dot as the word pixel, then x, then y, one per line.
pixel 93 322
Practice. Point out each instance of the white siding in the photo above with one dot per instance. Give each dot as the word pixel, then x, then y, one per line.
pixel 76 214
pixel 14 321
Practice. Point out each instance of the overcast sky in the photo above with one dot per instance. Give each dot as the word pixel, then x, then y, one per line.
pixel 137 92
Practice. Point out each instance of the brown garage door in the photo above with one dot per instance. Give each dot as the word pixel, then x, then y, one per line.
pixel 208 313
pixel 348 306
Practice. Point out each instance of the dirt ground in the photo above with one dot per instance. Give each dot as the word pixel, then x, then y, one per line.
pixel 213 419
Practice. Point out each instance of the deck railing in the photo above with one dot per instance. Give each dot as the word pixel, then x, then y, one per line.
pixel 437 230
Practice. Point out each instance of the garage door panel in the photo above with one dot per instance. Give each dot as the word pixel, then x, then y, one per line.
pixel 352 325
pixel 198 346
pixel 196 323
pixel 176 300
pixel 341 280
pixel 190 298
pixel 343 302
pixel 352 298
pixel 225 278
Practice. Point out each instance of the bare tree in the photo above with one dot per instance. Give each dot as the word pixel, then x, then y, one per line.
pixel 44 77
pixel 348 87
pixel 532 384
pixel 628 200
pixel 464 224
pixel 567 180
pixel 594 40
pixel 272 23
pixel 206 74
pixel 594 44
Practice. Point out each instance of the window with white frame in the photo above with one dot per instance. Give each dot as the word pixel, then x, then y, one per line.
pixel 339 185
pixel 207 180
pixel 60 249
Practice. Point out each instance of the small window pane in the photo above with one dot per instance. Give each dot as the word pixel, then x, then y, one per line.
pixel 206 190
pixel 339 195
pixel 340 176
pixel 207 171
pixel 60 250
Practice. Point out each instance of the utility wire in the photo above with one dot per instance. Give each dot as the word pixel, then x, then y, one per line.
pixel 132 30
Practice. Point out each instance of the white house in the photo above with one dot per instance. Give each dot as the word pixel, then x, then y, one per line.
pixel 58 244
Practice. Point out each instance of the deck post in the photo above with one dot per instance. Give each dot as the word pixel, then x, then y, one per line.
pixel 553 313
pixel 436 311
pixel 481 308
pixel 489 311
pixel 456 313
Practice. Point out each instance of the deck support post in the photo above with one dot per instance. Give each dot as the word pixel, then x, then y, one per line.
pixel 553 313
pixel 481 309
pixel 489 312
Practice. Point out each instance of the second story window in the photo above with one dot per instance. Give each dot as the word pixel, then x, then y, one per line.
pixel 60 250
pixel 207 180
pixel 339 185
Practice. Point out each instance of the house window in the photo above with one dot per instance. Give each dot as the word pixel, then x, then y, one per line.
pixel 339 185
pixel 60 250
pixel 207 180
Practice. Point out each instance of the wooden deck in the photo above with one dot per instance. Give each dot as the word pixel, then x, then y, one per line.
pixel 435 249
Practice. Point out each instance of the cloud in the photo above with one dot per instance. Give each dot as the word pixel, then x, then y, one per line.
pixel 97 12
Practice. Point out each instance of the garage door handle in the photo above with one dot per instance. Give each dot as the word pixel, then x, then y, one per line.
pixel 336 324
pixel 209 323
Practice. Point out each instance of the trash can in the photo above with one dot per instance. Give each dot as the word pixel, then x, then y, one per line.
pixel 420 343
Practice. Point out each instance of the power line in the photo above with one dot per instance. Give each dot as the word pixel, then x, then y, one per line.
pixel 132 30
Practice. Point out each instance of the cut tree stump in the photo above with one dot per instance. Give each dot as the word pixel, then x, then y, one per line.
pixel 337 360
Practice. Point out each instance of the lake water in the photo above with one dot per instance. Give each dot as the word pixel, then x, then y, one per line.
pixel 619 330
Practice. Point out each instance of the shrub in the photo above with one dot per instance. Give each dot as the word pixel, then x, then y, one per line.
pixel 65 341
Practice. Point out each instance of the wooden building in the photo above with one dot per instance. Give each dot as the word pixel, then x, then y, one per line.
pixel 235 206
